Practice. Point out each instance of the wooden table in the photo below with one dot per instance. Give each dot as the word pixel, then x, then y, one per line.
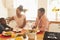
pixel 39 37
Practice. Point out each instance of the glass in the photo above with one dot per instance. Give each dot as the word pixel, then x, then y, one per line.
pixel 13 35
pixel 31 36
pixel 19 38
pixel 0 38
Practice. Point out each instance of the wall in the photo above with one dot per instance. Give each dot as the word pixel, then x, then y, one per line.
pixel 43 4
pixel 9 5
pixel 3 10
pixel 11 11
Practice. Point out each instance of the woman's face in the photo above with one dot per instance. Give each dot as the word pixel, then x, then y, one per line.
pixel 40 13
pixel 18 12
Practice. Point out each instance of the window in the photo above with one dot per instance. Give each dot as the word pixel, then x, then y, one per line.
pixel 30 5
pixel 53 10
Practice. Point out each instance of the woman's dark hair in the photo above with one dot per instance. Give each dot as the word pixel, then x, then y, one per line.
pixel 41 9
pixel 20 8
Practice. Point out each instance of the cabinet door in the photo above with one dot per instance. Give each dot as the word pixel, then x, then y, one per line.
pixel 54 27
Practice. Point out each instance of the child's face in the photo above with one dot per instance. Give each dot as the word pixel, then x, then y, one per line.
pixel 3 22
pixel 18 11
pixel 40 13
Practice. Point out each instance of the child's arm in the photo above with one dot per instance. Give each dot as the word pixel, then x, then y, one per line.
pixel 10 19
pixel 9 27
pixel 24 23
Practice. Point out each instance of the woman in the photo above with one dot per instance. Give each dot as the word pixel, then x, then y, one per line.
pixel 41 20
pixel 19 18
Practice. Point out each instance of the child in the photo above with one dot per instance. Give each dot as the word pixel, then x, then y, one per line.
pixel 4 25
pixel 1 29
pixel 19 18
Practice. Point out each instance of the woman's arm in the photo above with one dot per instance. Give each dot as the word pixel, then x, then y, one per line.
pixel 35 24
pixel 45 24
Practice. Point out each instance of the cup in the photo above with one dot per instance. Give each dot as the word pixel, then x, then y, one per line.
pixel 13 35
pixel 19 38
pixel 31 36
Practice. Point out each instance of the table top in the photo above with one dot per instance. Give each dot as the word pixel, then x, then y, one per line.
pixel 39 37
